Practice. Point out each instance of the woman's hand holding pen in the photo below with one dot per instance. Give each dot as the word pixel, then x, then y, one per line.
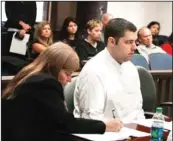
pixel 113 125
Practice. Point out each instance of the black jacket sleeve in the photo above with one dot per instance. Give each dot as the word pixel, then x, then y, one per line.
pixel 12 14
pixel 81 51
pixel 49 92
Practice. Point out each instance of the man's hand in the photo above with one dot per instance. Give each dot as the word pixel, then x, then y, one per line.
pixel 22 33
pixel 25 26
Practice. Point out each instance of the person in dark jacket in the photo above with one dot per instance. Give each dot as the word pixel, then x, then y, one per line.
pixel 158 40
pixel 69 33
pixel 91 45
pixel 33 105
pixel 21 16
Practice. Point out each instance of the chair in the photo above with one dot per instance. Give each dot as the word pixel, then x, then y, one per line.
pixel 68 93
pixel 160 61
pixel 139 60
pixel 148 90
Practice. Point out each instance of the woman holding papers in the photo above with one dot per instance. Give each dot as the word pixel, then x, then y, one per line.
pixel 34 102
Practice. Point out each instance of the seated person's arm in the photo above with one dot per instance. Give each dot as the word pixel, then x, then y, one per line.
pixel 91 96
pixel 38 48
pixel 49 92
pixel 80 49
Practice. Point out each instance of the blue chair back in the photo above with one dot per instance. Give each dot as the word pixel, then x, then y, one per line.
pixel 160 61
pixel 139 60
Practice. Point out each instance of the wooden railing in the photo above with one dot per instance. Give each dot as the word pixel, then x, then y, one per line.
pixel 163 81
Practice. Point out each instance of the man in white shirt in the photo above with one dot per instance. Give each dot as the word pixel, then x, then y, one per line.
pixel 146 47
pixel 108 85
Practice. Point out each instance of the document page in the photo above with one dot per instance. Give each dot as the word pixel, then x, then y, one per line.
pixel 124 133
pixel 19 46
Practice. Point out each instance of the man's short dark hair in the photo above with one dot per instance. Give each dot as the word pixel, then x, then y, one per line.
pixel 117 27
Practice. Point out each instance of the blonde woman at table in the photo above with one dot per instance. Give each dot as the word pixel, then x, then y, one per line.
pixel 34 102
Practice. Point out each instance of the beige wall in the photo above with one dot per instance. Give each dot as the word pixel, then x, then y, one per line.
pixel 141 13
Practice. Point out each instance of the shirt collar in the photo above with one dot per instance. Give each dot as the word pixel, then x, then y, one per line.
pixel 112 61
pixel 142 46
pixel 93 45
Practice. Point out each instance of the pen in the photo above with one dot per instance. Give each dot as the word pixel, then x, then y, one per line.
pixel 113 113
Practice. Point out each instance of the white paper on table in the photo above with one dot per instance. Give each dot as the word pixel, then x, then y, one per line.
pixel 168 125
pixel 109 136
pixel 19 46
pixel 148 123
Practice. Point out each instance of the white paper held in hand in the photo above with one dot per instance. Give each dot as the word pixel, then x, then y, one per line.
pixel 19 46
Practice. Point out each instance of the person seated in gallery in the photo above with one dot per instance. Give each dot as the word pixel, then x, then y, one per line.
pixel 43 38
pixel 91 45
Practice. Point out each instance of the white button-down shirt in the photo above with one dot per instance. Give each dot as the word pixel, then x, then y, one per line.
pixel 145 51
pixel 104 85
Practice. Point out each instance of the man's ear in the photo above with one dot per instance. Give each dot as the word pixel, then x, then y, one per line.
pixel 88 31
pixel 112 40
pixel 139 40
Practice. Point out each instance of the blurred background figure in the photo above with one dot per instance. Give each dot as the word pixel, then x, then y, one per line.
pixel 105 19
pixel 69 32
pixel 43 38
pixel 167 47
pixel 158 40
pixel 146 46
pixel 91 45
pixel 21 16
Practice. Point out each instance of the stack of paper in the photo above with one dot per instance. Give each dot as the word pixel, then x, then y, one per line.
pixel 109 136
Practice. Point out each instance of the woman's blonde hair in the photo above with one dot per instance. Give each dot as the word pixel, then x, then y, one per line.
pixel 37 34
pixel 58 56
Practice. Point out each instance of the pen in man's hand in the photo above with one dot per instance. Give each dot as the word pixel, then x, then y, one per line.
pixel 114 115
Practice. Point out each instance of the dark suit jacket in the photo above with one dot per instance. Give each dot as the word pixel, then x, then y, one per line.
pixel 38 112
pixel 17 10
pixel 85 49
